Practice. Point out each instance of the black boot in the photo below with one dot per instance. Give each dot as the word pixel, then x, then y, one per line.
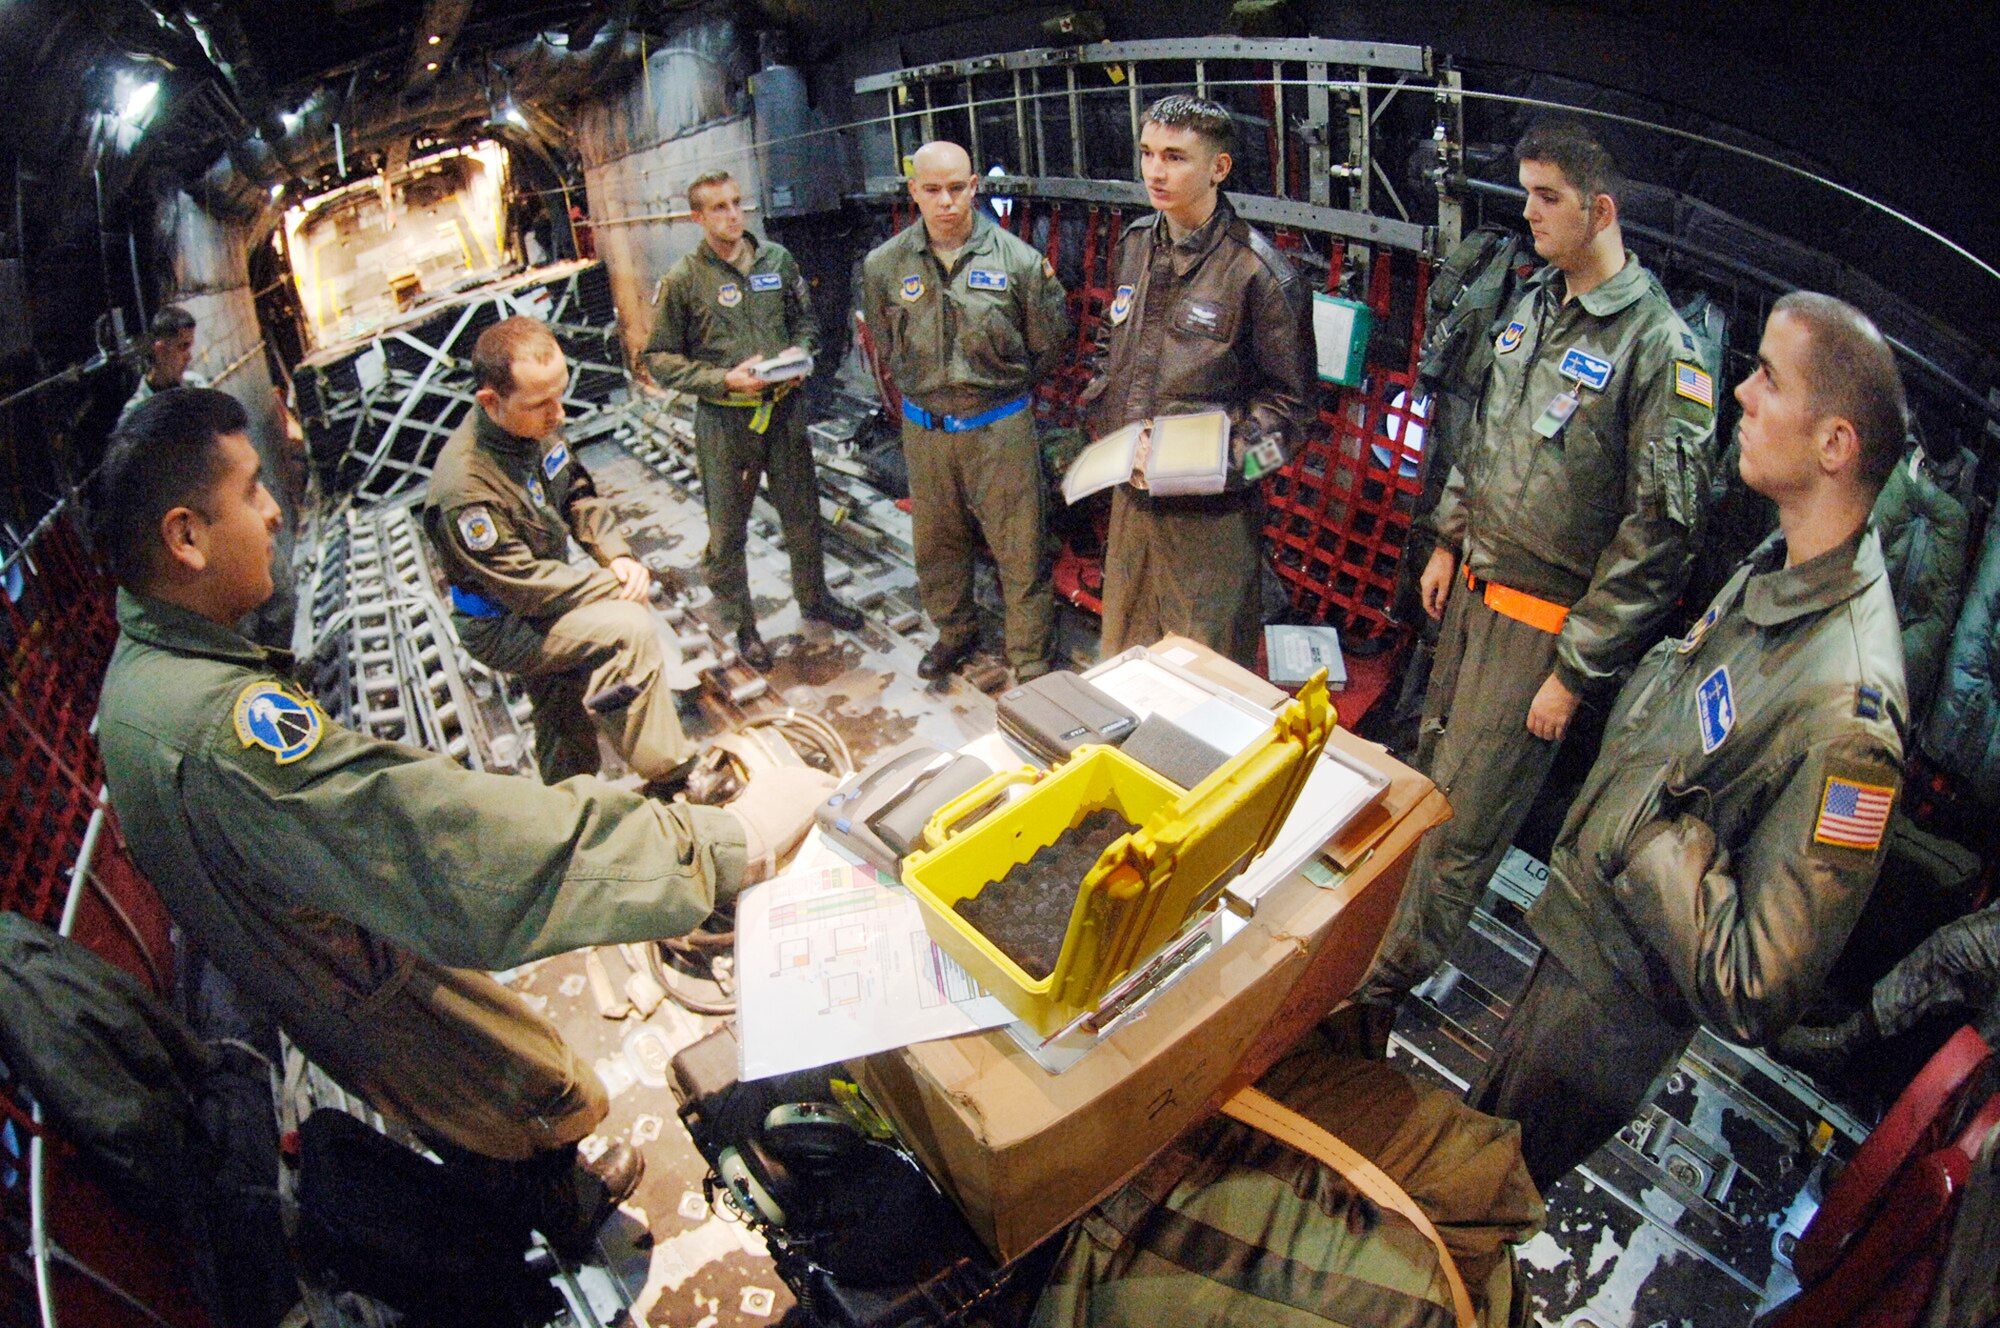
pixel 751 646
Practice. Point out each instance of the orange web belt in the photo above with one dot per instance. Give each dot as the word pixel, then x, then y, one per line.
pixel 1544 615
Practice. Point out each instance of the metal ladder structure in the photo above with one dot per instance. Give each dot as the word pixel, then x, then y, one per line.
pixel 1051 108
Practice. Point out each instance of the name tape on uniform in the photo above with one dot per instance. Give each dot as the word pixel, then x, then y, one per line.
pixel 980 279
pixel 766 281
pixel 1587 369
pixel 1694 384
pixel 1853 814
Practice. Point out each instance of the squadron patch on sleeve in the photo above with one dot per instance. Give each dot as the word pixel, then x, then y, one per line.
pixel 557 458
pixel 1121 306
pixel 268 716
pixel 476 528
pixel 1853 814
pixel 1048 269
pixel 1694 384
pixel 766 281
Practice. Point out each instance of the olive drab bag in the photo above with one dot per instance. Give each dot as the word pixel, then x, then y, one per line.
pixel 1240 1222
pixel 113 1067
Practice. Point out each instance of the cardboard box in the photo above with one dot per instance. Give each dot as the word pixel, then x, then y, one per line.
pixel 1024 1151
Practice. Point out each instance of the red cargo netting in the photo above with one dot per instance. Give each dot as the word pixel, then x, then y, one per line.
pixel 56 635
pixel 1340 512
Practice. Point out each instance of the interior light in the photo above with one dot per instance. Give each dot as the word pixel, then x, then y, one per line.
pixel 431 67
pixel 435 39
pixel 289 119
pixel 277 191
pixel 136 99
pixel 513 116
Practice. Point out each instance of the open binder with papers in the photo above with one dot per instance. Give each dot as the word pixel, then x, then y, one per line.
pixel 785 366
pixel 1181 454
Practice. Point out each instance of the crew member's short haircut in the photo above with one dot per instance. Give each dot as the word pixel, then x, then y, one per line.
pixel 701 182
pixel 1579 152
pixel 163 456
pixel 508 340
pixel 1208 120
pixel 170 321
pixel 1851 373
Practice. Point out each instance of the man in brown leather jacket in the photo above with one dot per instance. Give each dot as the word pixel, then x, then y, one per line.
pixel 1207 315
pixel 1565 533
pixel 1730 832
pixel 505 498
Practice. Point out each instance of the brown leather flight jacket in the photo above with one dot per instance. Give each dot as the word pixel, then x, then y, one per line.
pixel 1173 340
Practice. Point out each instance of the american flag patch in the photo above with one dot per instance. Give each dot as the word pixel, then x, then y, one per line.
pixel 1694 384
pixel 1853 815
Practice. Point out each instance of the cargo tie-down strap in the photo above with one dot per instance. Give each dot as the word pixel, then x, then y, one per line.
pixel 1260 1111
pixel 1545 615
pixel 760 403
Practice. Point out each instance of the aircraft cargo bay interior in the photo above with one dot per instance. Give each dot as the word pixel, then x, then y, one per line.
pixel 670 662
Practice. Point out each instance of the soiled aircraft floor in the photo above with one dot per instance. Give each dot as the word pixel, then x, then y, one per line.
pixel 1684 1220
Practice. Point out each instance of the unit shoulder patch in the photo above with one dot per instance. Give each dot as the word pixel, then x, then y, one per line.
pixel 1853 813
pixel 1692 381
pixel 476 529
pixel 1510 338
pixel 1048 269
pixel 268 716
pixel 729 295
pixel 1121 306
pixel 913 289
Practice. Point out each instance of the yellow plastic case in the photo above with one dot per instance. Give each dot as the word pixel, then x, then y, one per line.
pixel 1144 887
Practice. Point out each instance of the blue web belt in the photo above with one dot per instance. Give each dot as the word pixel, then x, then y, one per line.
pixel 962 423
pixel 474 605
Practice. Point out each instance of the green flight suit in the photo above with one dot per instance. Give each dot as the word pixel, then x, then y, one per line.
pixel 1721 849
pixel 500 514
pixel 713 316
pixel 960 343
pixel 1216 321
pixel 350 885
pixel 1600 515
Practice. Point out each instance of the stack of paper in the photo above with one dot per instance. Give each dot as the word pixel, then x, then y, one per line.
pixel 784 366
pixel 1174 454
